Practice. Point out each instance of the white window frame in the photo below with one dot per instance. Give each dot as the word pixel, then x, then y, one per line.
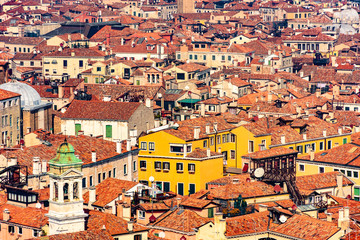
pixel 178 170
pixel 152 144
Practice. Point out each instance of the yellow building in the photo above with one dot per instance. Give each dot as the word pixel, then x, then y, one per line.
pixel 302 135
pixel 69 62
pixel 179 157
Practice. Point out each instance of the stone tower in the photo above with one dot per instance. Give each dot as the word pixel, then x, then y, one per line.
pixel 66 212
pixel 186 6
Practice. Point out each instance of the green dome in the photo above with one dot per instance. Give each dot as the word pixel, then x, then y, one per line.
pixel 65 155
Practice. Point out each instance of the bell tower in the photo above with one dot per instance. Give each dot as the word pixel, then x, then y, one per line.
pixel 66 212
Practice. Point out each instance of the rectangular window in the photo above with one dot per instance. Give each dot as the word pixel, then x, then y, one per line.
pixel 114 172
pixel 109 175
pixel 321 170
pixel 329 145
pixel 77 128
pixel 191 167
pixel 301 167
pixel 84 182
pixel 98 69
pixel 210 212
pixel 344 140
pixel 233 136
pixel 191 188
pixel 224 138
pixel 151 146
pixel 356 193
pixel 179 167
pixel 141 214
pixel 213 57
pixel 211 141
pixel 109 131
pixel 35 233
pixel 232 154
pixel 81 63
pixel 356 174
pixel 299 149
pixel 176 149
pixel 99 177
pixel 134 166
pixel 219 139
pixel 104 175
pixel 166 165
pixel 180 189
pixel 251 146
pixel 125 169
pixel 91 181
pixel 143 164
pixel 205 145
pixel 166 187
pixel 307 148
pixel 157 165
pixel 11 229
pixel 143 145
pixel 20 230
pixel 65 63
pixel 321 146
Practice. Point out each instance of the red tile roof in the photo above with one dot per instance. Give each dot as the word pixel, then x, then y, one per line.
pixel 113 224
pixel 320 181
pixel 270 153
pixel 108 190
pixel 28 216
pixel 183 220
pixel 4 94
pixel 98 110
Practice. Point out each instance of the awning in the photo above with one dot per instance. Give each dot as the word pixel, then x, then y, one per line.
pixel 189 100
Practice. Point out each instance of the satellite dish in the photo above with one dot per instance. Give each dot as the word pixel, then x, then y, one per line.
pixel 282 218
pixel 259 172
pixel 162 234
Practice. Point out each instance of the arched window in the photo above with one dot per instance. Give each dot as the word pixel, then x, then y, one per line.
pixel 76 190
pixel 56 192
pixel 66 191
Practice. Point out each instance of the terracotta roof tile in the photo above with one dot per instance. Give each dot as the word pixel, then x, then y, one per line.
pixel 180 220
pixel 118 111
pixel 4 94
pixel 320 181
pixel 113 224
pixel 270 153
pixel 108 190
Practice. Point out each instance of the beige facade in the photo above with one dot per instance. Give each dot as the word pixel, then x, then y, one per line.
pixel 10 121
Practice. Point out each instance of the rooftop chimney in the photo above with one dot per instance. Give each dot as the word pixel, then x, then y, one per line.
pixel 6 215
pixel 282 139
pixel 92 195
pixel 324 132
pixel 304 136
pixel 128 145
pixel 202 109
pixel 339 131
pixel 130 226
pixel 312 155
pixel 43 166
pixel 263 208
pixel 93 155
pixel 207 129
pixel 329 217
pixel 196 132
pixel 118 146
pixel 215 126
pixel 36 165
pixel 208 152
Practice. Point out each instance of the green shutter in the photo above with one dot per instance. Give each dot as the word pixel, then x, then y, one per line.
pixel 344 140
pixel 77 128
pixel 181 189
pixel 210 212
pixel 357 191
pixel 191 188
pixel 108 131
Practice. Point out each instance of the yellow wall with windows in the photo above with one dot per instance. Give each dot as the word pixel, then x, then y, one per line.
pixel 335 141
pixel 243 138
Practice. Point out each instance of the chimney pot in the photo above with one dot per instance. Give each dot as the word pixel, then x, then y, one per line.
pixel 196 132
pixel 282 139
pixel 93 155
